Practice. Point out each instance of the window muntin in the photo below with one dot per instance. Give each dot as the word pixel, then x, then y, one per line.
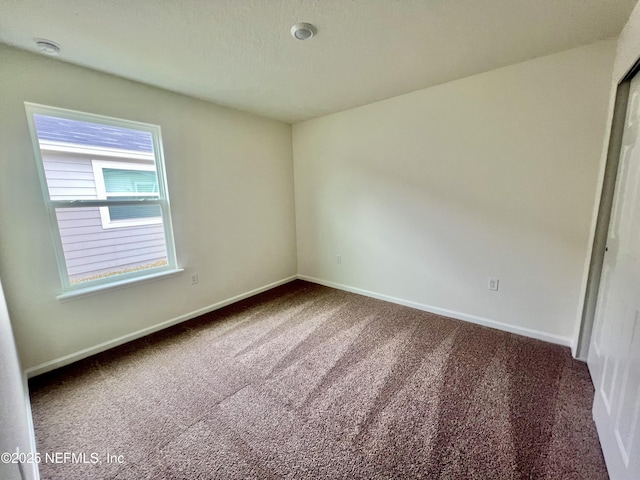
pixel 112 227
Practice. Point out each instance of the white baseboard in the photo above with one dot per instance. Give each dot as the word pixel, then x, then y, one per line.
pixel 526 332
pixel 73 357
pixel 101 347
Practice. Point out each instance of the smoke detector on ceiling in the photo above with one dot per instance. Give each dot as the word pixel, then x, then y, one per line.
pixel 303 31
pixel 47 46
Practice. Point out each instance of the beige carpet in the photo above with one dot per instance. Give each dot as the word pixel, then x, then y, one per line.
pixel 305 381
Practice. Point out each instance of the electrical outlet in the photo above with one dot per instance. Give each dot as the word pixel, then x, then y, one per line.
pixel 338 259
pixel 494 283
pixel 194 279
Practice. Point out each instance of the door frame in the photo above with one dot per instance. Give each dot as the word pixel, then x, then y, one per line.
pixel 601 233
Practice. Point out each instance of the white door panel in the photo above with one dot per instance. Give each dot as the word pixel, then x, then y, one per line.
pixel 629 394
pixel 614 354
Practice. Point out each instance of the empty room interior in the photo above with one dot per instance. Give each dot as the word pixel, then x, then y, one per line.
pixel 246 239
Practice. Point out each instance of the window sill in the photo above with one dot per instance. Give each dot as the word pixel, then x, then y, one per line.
pixel 95 289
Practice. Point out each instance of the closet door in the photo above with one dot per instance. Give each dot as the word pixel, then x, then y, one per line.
pixel 614 354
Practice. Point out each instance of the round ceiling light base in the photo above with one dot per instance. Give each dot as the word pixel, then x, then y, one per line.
pixel 47 46
pixel 303 31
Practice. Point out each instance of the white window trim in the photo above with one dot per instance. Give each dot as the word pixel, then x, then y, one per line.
pixel 116 285
pixel 117 281
pixel 101 190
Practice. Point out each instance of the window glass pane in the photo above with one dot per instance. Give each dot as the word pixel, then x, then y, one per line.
pixel 92 252
pixel 81 132
pixel 140 181
pixel 67 148
pixel 132 212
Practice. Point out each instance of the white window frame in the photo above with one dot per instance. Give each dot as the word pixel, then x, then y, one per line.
pixel 91 287
pixel 101 189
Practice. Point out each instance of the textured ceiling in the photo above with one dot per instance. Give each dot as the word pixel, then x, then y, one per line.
pixel 239 53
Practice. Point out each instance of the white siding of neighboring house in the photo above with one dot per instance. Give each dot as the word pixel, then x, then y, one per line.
pixel 69 176
pixel 89 249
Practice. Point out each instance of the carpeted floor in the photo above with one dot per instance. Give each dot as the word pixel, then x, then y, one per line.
pixel 305 381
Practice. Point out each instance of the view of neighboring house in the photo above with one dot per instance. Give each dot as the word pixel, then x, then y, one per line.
pixel 88 161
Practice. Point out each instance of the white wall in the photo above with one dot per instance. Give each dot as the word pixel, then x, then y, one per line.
pixel 628 48
pixel 427 195
pixel 230 182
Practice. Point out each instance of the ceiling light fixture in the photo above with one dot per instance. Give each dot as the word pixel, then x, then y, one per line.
pixel 303 31
pixel 47 46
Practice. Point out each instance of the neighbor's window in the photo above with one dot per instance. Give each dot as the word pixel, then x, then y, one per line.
pixel 104 186
pixel 126 181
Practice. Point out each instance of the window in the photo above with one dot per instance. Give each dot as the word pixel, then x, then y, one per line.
pixel 105 189
pixel 127 181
